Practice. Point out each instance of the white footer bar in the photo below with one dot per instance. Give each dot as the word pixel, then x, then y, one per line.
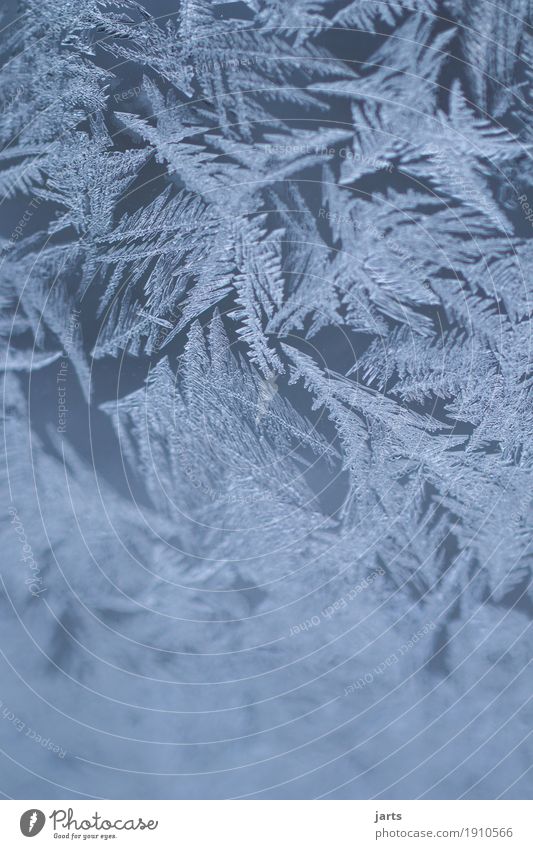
pixel 269 824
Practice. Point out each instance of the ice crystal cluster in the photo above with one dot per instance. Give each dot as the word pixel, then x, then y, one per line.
pixel 267 402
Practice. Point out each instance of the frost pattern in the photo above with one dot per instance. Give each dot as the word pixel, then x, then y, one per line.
pixel 266 270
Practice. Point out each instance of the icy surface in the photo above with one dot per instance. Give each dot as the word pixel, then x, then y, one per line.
pixel 268 433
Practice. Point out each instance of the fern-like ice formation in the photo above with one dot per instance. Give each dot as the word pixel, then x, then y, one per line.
pixel 266 270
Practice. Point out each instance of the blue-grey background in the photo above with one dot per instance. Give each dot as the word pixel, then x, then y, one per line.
pixel 267 426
